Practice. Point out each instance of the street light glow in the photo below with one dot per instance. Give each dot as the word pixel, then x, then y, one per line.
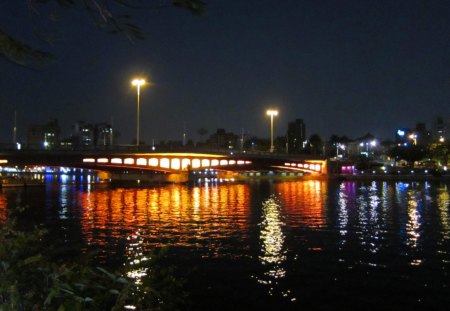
pixel 271 113
pixel 138 83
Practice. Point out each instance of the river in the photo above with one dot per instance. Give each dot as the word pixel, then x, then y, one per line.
pixel 311 245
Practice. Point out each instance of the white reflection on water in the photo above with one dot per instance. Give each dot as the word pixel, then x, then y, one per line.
pixel 135 264
pixel 63 201
pixel 415 199
pixel 343 213
pixel 443 203
pixel 135 258
pixel 414 218
pixel 272 245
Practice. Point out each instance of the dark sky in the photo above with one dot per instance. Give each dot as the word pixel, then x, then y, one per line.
pixel 346 67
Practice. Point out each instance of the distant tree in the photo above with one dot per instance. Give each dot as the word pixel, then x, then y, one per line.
pixel 280 143
pixel 108 15
pixel 440 152
pixel 315 144
pixel 257 144
pixel 333 139
pixel 410 154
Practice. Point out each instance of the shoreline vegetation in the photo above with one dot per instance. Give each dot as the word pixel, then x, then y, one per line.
pixel 38 275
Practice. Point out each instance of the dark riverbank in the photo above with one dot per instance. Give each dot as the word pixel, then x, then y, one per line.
pixel 399 177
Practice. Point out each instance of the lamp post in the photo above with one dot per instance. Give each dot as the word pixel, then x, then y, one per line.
pixel 137 83
pixel 271 113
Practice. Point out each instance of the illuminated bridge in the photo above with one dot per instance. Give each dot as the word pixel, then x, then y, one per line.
pixel 166 163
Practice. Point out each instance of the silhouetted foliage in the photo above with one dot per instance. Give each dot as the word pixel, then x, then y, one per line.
pixel 107 15
pixel 410 153
pixel 34 277
pixel 315 144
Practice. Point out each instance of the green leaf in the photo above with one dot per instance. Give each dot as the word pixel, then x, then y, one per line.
pixel 109 274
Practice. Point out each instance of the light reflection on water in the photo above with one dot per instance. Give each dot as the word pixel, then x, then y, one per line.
pixel 3 207
pixel 292 240
pixel 173 215
pixel 272 239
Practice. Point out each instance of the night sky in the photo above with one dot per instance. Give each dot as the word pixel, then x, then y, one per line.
pixel 346 67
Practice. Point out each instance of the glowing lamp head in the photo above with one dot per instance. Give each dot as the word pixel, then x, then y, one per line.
pixel 272 112
pixel 138 82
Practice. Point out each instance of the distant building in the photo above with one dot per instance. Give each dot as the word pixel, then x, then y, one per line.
pixel 103 135
pixel 441 130
pixel 222 140
pixel 83 134
pixel 296 136
pixel 418 136
pixel 421 135
pixel 44 136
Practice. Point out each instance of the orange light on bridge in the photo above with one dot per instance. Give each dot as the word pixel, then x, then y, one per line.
pixel 141 161
pixel 195 163
pixel 153 162
pixel 164 163
pixel 129 161
pixel 175 164
pixel 185 163
pixel 116 161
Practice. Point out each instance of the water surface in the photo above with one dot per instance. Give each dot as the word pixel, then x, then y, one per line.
pixel 316 245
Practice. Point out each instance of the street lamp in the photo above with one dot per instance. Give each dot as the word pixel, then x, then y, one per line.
pixel 137 83
pixel 271 113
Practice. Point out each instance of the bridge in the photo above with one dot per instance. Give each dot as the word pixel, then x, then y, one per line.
pixel 172 163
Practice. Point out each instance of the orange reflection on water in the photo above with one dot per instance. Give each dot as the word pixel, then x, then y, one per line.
pixel 304 201
pixel 171 215
pixel 3 210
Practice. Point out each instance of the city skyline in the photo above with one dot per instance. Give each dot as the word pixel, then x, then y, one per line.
pixel 345 69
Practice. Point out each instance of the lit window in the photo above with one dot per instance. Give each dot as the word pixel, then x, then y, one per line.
pixel 185 163
pixel 102 160
pixel 116 161
pixel 153 162
pixel 88 160
pixel 205 163
pixel 223 162
pixel 129 161
pixel 195 163
pixel 141 161
pixel 164 163
pixel 214 162
pixel 176 164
